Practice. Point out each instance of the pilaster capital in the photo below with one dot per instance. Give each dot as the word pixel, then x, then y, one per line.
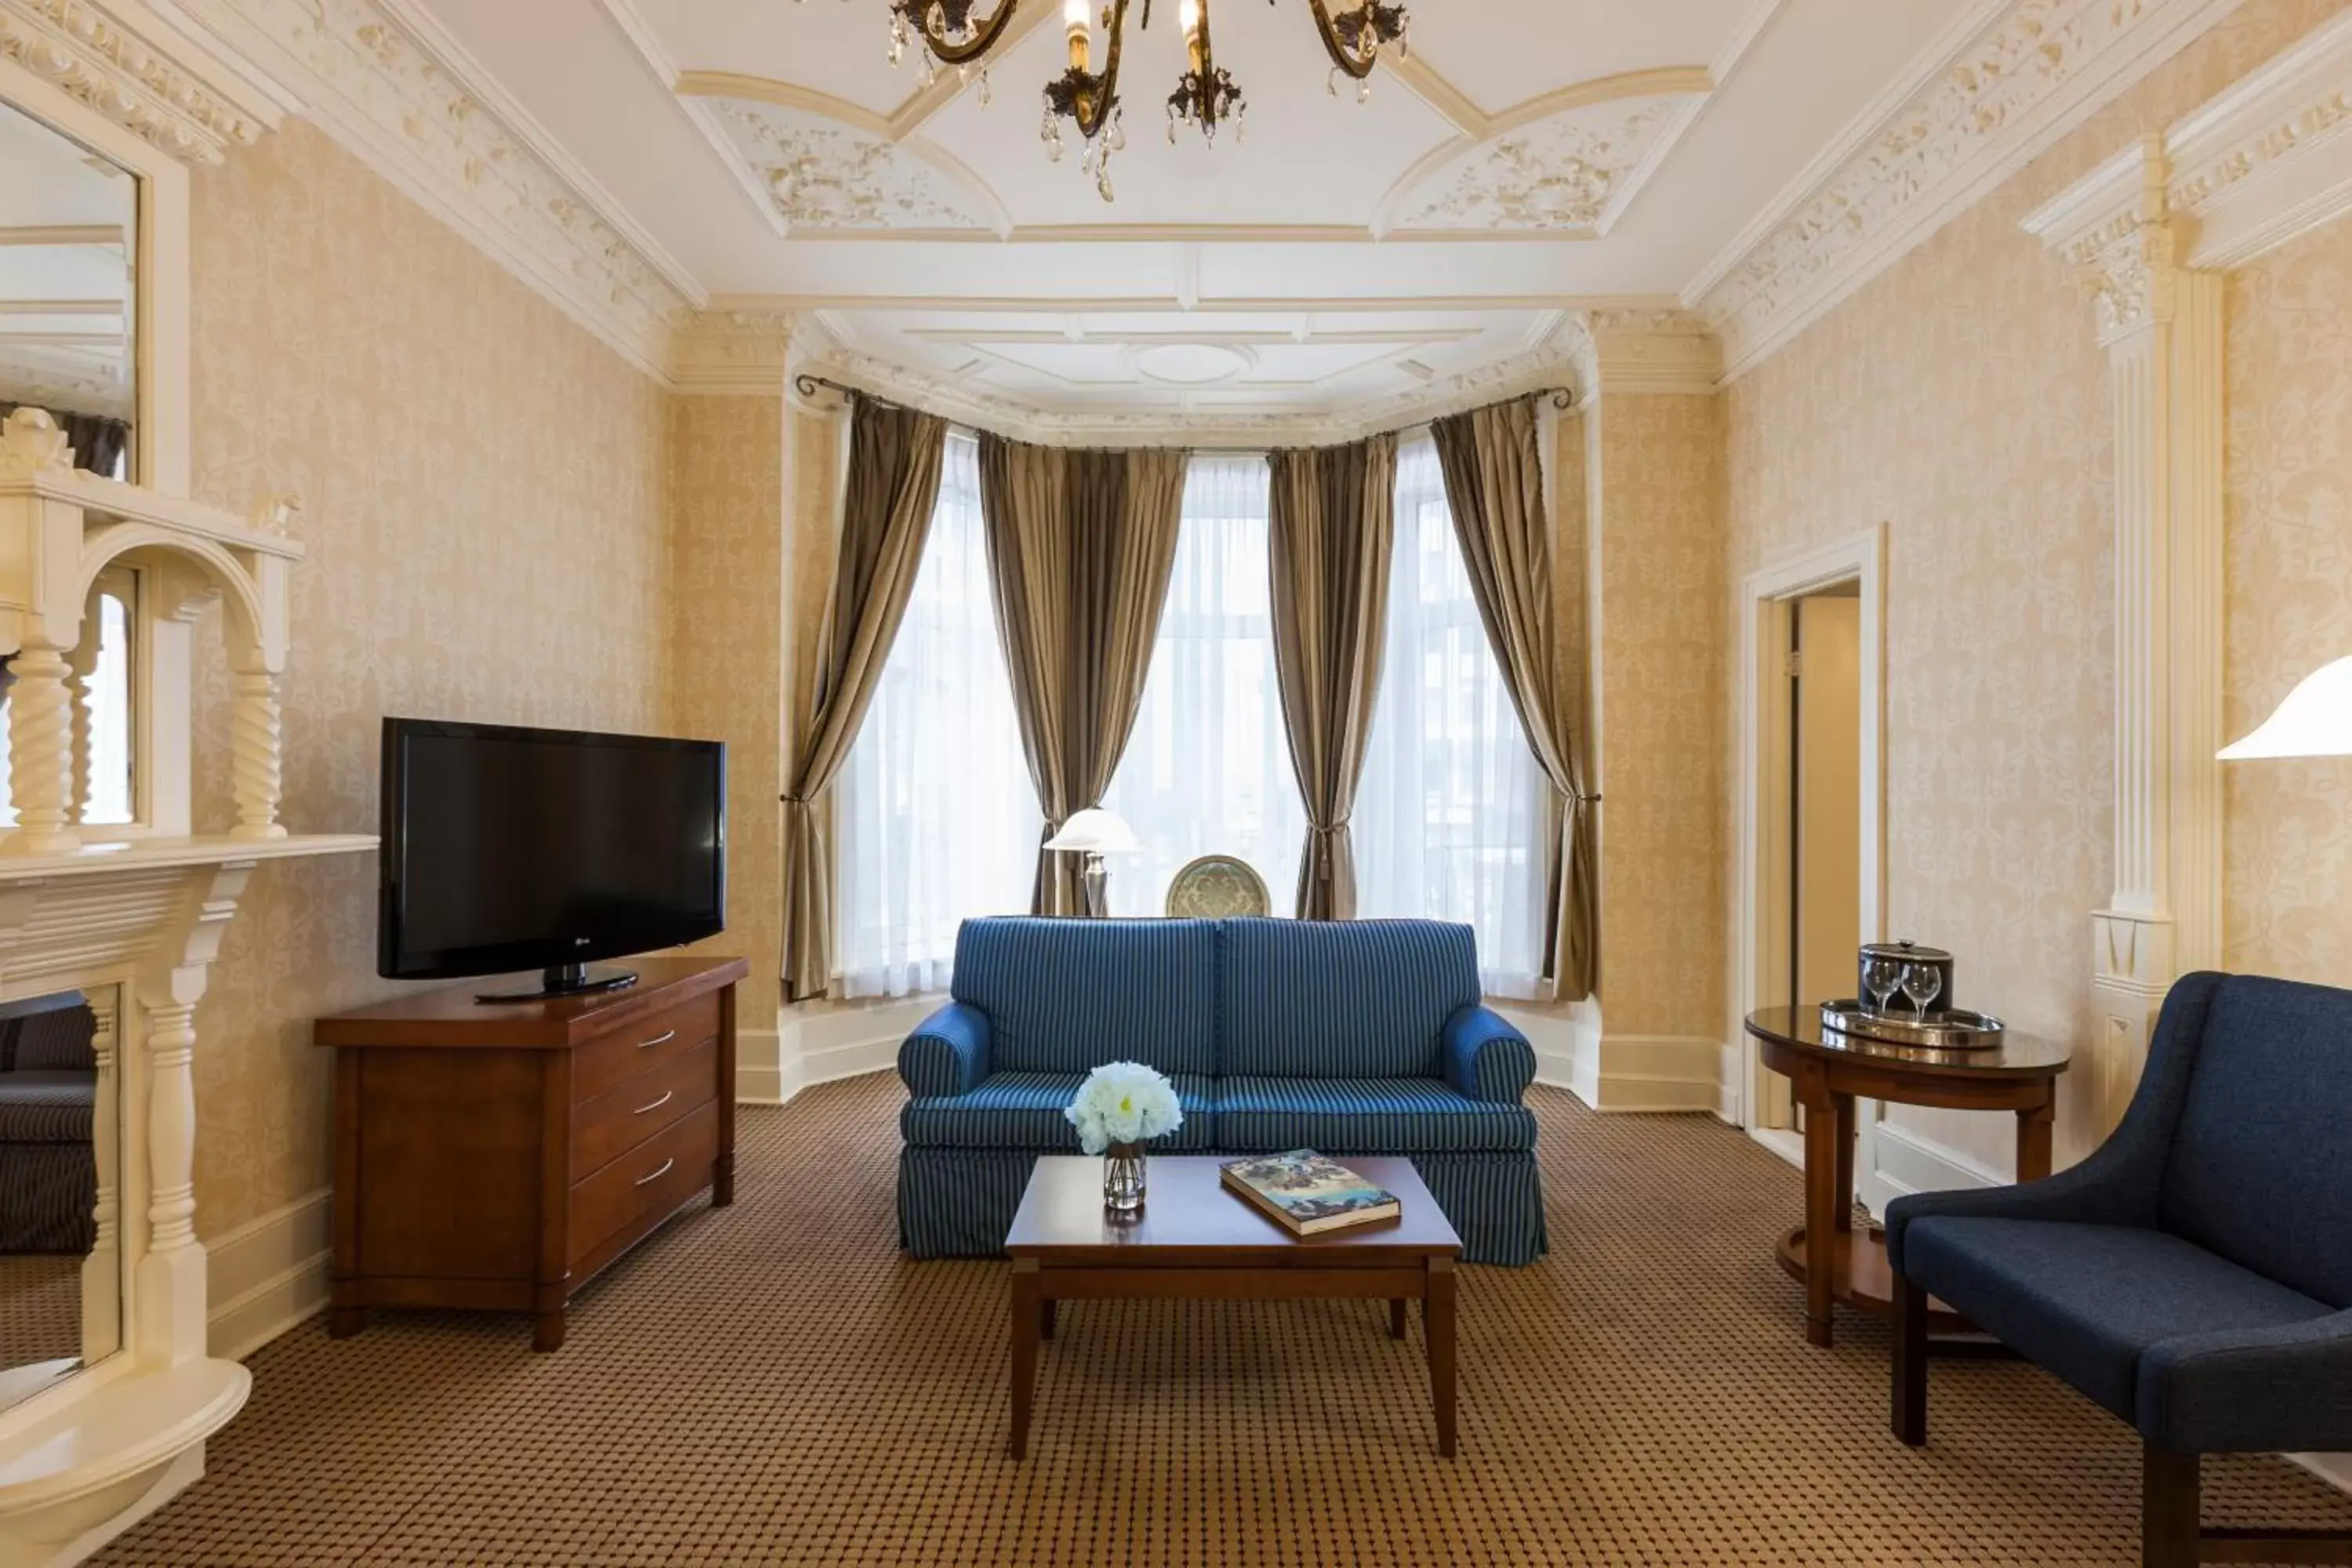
pixel 1665 351
pixel 2127 247
pixel 740 351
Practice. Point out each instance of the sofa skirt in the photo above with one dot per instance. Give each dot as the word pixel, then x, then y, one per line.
pixel 959 1202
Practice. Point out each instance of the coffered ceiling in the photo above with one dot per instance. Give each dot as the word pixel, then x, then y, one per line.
pixel 1531 162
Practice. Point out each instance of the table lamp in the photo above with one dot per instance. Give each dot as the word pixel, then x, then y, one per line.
pixel 1096 833
pixel 2315 719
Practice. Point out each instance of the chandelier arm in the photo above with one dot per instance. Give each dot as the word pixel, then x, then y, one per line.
pixel 1106 86
pixel 1357 68
pixel 979 43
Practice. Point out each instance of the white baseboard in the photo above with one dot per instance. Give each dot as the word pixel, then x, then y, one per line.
pixel 759 1068
pixel 1909 1162
pixel 819 1046
pixel 1623 1072
pixel 267 1275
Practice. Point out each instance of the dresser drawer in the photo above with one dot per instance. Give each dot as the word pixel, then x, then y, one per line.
pixel 636 1048
pixel 648 1181
pixel 619 1120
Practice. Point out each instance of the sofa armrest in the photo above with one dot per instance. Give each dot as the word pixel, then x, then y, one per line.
pixel 1486 1057
pixel 947 1053
pixel 2258 1391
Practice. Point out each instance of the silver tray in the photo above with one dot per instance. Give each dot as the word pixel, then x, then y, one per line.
pixel 1958 1030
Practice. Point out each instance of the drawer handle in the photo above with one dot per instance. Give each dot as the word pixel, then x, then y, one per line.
pixel 656 1105
pixel 663 1038
pixel 657 1175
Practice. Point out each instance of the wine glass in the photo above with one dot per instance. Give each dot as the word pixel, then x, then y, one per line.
pixel 1920 983
pixel 1880 976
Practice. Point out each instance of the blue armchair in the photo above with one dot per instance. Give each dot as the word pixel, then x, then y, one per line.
pixel 2193 1274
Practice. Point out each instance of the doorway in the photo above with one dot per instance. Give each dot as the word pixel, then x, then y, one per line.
pixel 1812 850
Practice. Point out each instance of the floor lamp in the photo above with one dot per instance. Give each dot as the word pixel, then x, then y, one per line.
pixel 1096 833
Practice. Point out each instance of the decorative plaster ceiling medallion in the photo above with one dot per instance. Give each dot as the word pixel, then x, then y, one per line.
pixel 1190 364
pixel 1572 173
pixel 822 173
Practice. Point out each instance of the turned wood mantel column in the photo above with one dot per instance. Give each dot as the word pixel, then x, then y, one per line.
pixel 2160 324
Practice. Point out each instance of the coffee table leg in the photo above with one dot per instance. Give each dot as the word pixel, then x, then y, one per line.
pixel 1396 1319
pixel 1028 1319
pixel 1046 1319
pixel 1437 1323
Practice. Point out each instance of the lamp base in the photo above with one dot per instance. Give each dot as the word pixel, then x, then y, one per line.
pixel 1094 886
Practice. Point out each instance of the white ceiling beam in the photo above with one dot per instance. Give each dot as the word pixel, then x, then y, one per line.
pixel 1148 304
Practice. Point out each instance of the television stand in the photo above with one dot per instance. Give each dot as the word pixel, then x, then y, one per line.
pixel 567 980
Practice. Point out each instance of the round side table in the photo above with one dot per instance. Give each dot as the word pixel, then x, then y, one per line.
pixel 1829 1071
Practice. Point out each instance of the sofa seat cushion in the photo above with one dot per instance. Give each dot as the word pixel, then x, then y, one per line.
pixel 50 1107
pixel 1364 1115
pixel 2086 1300
pixel 1023 1111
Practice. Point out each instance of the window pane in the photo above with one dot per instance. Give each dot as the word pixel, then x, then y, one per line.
pixel 934 813
pixel 1207 769
pixel 1451 815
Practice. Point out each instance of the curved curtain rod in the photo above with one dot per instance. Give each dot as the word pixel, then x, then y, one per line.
pixel 805 384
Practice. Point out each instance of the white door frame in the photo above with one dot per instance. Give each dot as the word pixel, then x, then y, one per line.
pixel 1766 866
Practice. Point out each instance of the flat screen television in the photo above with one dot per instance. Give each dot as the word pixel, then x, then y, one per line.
pixel 508 848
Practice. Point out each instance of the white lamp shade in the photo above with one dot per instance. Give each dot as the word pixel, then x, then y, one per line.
pixel 1096 829
pixel 2315 719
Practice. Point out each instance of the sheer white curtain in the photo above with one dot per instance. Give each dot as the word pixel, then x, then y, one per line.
pixel 1450 817
pixel 1207 769
pixel 935 818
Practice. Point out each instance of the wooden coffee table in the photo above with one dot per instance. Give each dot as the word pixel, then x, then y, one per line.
pixel 1195 1241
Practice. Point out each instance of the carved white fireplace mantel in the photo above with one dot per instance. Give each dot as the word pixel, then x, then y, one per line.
pixel 133 922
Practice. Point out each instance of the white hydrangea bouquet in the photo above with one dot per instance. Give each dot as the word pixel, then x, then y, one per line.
pixel 1123 1103
pixel 1121 1107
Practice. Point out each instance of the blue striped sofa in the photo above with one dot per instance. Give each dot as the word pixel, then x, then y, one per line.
pixel 1358 1038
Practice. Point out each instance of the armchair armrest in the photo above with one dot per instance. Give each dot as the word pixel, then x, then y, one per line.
pixel 2262 1390
pixel 1487 1059
pixel 947 1053
pixel 2102 1190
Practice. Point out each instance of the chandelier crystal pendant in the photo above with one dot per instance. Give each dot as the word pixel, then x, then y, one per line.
pixel 1206 94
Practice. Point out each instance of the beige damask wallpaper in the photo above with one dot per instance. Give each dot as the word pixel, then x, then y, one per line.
pixel 726 636
pixel 2289 893
pixel 1659 609
pixel 483 488
pixel 1959 400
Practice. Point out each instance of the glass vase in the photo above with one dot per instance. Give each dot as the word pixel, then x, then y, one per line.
pixel 1123 1178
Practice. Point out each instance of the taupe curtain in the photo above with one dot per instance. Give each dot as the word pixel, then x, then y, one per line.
pixel 1333 519
pixel 895 456
pixel 97 439
pixel 1080 546
pixel 1493 484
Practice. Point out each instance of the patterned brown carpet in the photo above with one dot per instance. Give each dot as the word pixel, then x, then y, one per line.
pixel 772 1383
pixel 40 1307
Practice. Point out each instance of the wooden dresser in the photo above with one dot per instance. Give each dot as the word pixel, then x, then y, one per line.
pixel 496 1156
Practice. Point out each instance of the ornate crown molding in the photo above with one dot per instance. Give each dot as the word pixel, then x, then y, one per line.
pixel 2266 161
pixel 400 95
pixel 140 72
pixel 1569 175
pixel 2004 84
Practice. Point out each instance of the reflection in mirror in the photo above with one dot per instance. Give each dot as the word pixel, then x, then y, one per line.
pixel 100 683
pixel 60 1306
pixel 69 245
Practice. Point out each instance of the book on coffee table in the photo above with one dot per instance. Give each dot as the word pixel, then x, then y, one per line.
pixel 1306 1193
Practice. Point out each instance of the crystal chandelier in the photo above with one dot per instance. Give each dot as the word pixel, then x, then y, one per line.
pixel 1206 95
